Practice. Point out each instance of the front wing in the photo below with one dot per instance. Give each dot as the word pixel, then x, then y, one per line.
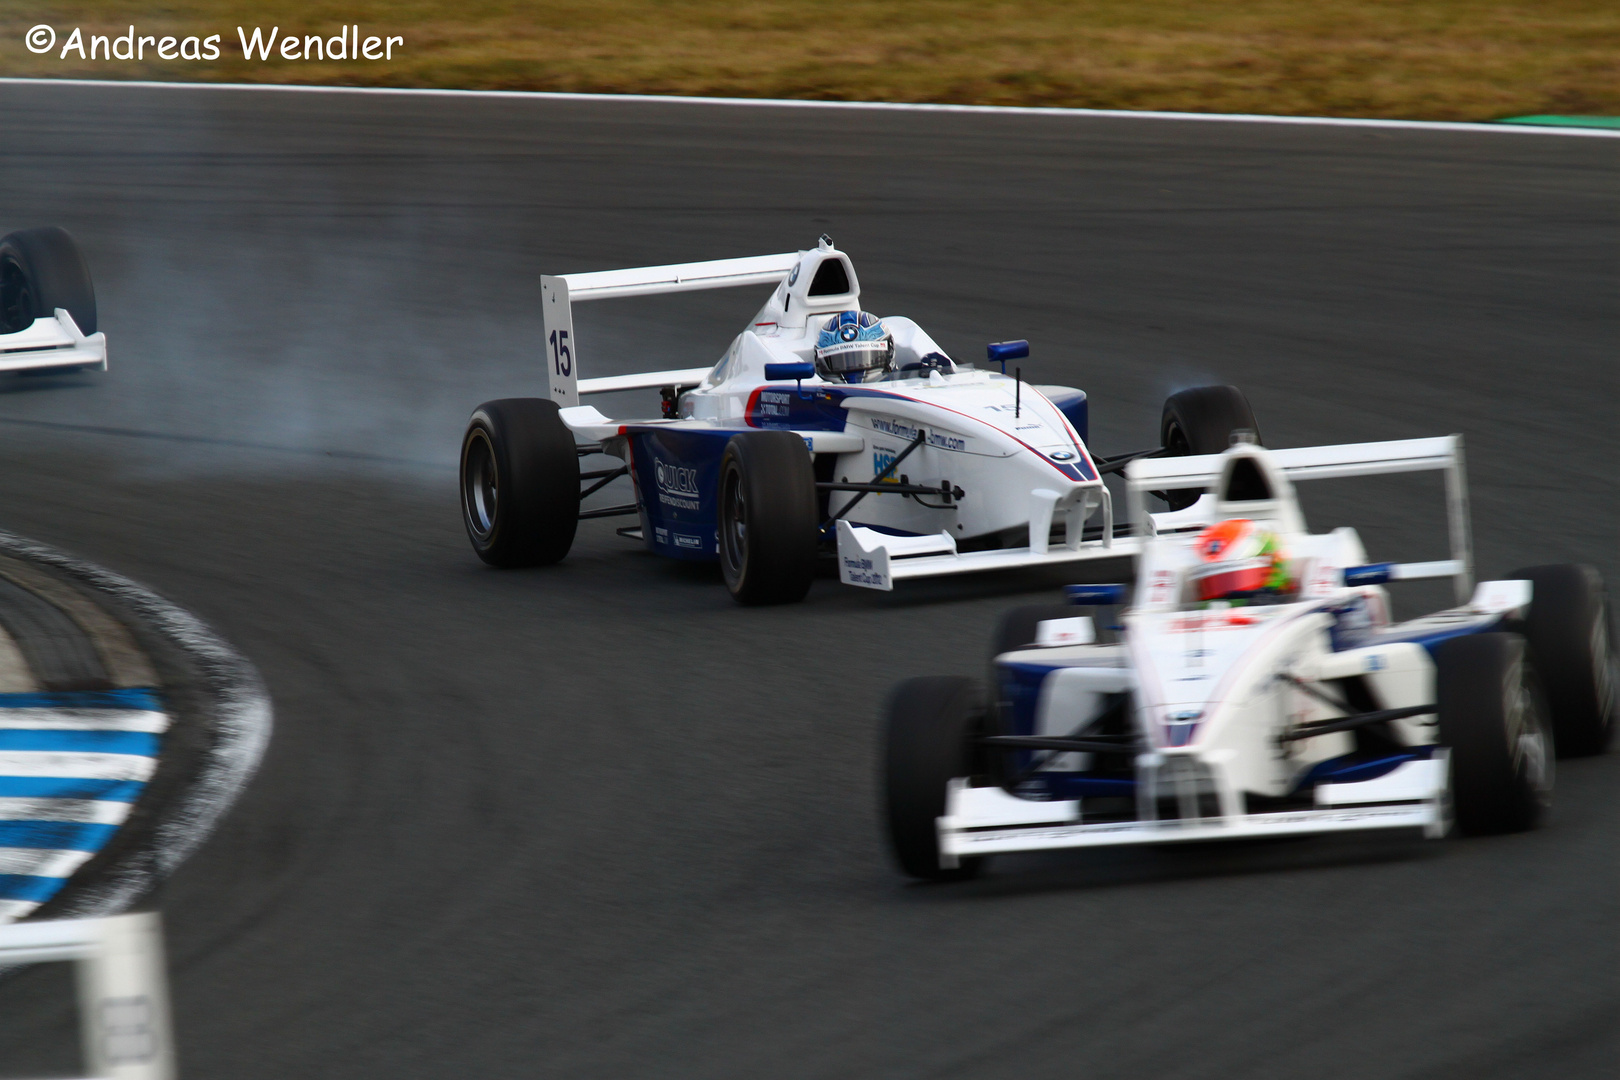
pixel 52 343
pixel 988 821
pixel 875 560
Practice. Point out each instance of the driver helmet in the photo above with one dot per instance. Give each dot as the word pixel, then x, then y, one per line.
pixel 854 346
pixel 1239 558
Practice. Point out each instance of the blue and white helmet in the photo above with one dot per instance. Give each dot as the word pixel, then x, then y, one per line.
pixel 854 346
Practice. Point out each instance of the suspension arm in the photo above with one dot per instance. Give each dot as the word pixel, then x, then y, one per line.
pixel 603 478
pixel 1351 723
pixel 887 472
pixel 1064 746
pixel 944 491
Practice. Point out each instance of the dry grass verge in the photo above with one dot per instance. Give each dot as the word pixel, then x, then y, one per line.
pixel 1419 59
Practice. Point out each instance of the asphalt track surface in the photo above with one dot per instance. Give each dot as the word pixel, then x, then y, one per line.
pixel 594 820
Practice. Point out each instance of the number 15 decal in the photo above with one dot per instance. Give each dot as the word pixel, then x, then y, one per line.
pixel 561 356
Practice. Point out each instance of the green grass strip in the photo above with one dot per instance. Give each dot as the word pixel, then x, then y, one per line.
pixel 1565 121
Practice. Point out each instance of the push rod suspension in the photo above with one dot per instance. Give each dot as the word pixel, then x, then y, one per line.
pixel 887 472
pixel 1117 463
pixel 944 490
pixel 603 478
pixel 1063 746
pixel 610 511
pixel 1359 720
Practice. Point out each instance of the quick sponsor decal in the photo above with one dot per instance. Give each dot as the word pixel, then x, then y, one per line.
pixel 677 486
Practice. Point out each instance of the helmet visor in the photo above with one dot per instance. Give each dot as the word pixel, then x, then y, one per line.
pixel 854 357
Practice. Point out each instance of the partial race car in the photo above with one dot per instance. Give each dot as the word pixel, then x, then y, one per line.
pixel 822 429
pixel 47 304
pixel 1255 685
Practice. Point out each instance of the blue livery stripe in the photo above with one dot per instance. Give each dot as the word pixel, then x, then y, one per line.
pixel 141 698
pixel 93 741
pixel 55 835
pixel 62 787
pixel 29 887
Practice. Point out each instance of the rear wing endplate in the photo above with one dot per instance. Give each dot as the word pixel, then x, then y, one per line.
pixel 1441 454
pixel 558 294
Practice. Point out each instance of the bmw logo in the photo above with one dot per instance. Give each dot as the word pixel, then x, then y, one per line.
pixel 849 333
pixel 1061 455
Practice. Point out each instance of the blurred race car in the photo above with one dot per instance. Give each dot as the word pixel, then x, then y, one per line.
pixel 47 304
pixel 1254 685
pixel 822 428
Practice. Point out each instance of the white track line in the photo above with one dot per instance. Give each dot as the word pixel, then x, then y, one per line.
pixel 876 106
pixel 78 766
pixel 89 811
pixel 154 723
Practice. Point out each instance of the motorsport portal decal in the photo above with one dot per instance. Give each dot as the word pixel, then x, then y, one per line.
pixel 677 486
pixel 773 403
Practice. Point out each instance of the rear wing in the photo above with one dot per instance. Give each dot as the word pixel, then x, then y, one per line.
pixel 559 293
pixel 1442 454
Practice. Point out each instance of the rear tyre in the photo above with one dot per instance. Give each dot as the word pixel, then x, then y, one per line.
pixel 1570 632
pixel 1491 718
pixel 767 518
pixel 1201 421
pixel 519 483
pixel 928 741
pixel 42 270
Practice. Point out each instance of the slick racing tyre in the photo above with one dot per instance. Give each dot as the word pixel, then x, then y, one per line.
pixel 767 517
pixel 519 483
pixel 1492 719
pixel 41 270
pixel 928 741
pixel 1570 632
pixel 1201 421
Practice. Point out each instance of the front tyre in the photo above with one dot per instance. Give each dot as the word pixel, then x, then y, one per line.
pixel 1570 633
pixel 41 270
pixel 519 483
pixel 928 741
pixel 1491 718
pixel 1202 420
pixel 767 517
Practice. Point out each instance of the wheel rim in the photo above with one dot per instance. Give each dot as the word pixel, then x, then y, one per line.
pixel 1532 750
pixel 1176 442
pixel 480 485
pixel 1604 666
pixel 734 523
pixel 16 301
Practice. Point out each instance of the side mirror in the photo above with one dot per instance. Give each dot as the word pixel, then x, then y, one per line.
pixel 1095 594
pixel 1003 351
pixel 803 369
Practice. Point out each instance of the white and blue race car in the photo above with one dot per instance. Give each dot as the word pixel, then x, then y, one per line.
pixel 913 467
pixel 47 304
pixel 1295 705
